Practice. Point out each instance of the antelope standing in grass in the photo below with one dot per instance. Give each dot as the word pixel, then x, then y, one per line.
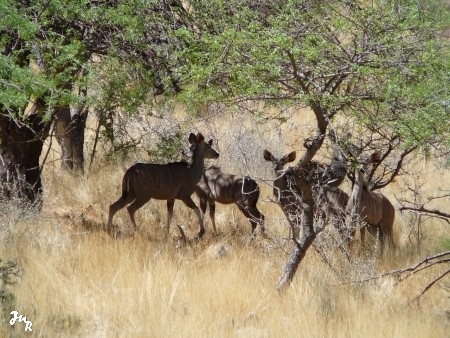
pixel 372 208
pixel 286 193
pixel 215 186
pixel 171 181
pixel 331 200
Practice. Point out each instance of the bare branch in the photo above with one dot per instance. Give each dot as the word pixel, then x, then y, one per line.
pixel 431 261
pixel 447 260
pixel 430 285
pixel 297 76
pixel 396 170
pixel 440 214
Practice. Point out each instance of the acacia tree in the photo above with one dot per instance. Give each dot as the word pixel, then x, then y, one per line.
pixel 46 69
pixel 380 65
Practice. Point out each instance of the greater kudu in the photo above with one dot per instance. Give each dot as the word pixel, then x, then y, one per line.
pixel 171 181
pixel 331 201
pixel 215 186
pixel 371 208
pixel 286 192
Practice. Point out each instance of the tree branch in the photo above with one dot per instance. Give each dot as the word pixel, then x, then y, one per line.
pixel 430 285
pixel 442 215
pixel 431 260
pixel 297 76
pixel 396 170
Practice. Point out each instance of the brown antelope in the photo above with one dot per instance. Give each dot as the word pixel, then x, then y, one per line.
pixel 171 181
pixel 331 200
pixel 372 208
pixel 332 203
pixel 287 193
pixel 215 186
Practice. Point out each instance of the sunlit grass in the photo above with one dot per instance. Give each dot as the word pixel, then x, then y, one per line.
pixel 78 281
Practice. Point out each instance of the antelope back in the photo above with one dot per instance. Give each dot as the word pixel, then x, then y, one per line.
pixel 171 180
pixel 336 201
pixel 218 185
pixel 371 206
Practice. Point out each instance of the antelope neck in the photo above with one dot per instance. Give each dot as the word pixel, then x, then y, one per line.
pixel 198 164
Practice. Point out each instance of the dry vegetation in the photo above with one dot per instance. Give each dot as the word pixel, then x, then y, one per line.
pixel 78 281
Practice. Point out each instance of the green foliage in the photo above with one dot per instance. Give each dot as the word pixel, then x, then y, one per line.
pixel 37 61
pixel 443 244
pixel 62 37
pixel 8 272
pixel 169 146
pixel 13 20
pixel 381 62
pixel 65 323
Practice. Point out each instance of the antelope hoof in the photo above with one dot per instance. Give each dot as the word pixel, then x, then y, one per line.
pixel 114 232
pixel 200 234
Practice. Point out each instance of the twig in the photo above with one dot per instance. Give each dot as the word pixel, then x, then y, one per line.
pixel 412 268
pixel 430 285
pixel 425 267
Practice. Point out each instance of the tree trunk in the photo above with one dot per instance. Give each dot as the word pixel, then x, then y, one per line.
pixel 21 145
pixel 308 235
pixel 300 249
pixel 69 126
pixel 302 179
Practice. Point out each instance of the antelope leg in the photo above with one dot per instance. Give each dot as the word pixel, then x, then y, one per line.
pixel 190 203
pixel 170 204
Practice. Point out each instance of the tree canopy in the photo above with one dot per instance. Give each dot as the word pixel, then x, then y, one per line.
pixel 380 62
pixel 382 65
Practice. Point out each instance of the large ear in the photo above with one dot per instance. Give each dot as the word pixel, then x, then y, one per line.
pixel 210 142
pixel 289 157
pixel 200 138
pixel 268 156
pixel 192 138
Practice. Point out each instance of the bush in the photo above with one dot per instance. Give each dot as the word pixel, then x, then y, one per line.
pixel 9 271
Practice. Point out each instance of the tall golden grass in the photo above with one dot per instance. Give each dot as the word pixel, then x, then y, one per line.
pixel 78 281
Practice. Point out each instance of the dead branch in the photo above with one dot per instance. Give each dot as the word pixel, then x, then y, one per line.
pixel 94 147
pixel 447 260
pixel 439 214
pixel 420 266
pixel 429 261
pixel 430 285
pixel 396 171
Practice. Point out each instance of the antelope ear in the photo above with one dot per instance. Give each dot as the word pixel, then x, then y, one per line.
pixel 192 139
pixel 268 156
pixel 291 156
pixel 210 142
pixel 200 138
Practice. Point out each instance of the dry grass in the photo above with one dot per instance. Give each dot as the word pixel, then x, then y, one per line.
pixel 78 281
